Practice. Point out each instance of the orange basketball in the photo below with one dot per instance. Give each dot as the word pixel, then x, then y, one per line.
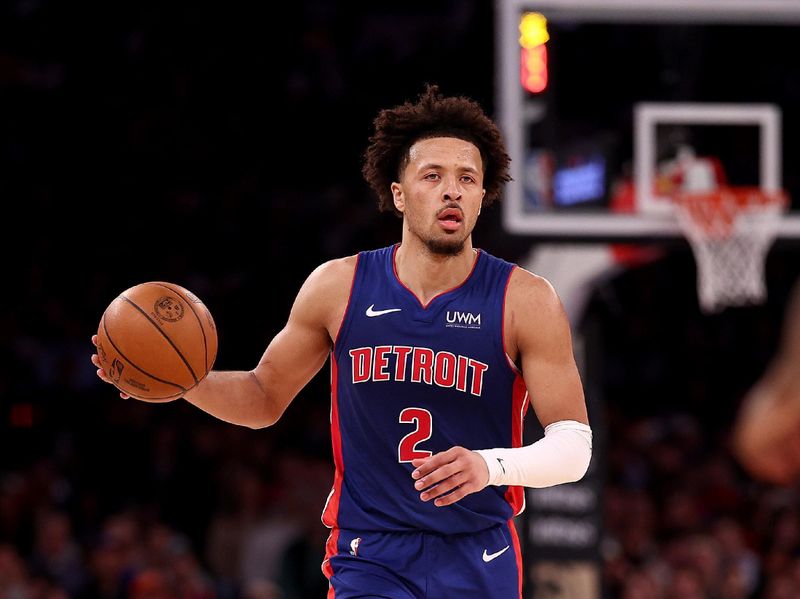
pixel 156 341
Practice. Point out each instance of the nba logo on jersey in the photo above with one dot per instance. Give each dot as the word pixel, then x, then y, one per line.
pixel 354 546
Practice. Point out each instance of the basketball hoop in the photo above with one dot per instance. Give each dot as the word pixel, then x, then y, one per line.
pixel 730 230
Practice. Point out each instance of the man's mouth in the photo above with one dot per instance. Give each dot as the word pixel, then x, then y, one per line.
pixel 450 219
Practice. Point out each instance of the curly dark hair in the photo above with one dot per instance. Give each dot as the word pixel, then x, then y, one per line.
pixel 434 115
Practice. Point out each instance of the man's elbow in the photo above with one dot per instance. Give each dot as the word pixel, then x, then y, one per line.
pixel 265 411
pixel 261 422
pixel 581 466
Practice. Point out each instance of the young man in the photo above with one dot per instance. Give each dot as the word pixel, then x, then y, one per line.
pixel 436 350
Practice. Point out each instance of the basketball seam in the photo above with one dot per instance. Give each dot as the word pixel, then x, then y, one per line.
pixel 197 316
pixel 142 370
pixel 158 328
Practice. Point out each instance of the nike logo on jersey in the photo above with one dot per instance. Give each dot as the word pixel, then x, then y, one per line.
pixel 373 313
pixel 487 557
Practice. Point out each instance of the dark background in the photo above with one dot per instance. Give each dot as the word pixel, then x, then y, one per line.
pixel 219 147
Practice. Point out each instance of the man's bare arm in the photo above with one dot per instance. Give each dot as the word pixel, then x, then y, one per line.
pixel 539 336
pixel 257 398
pixel 766 434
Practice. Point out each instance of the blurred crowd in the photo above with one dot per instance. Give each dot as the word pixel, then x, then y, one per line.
pixel 683 522
pixel 158 509
pixel 681 519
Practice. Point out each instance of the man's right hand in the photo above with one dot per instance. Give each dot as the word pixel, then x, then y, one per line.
pixel 100 372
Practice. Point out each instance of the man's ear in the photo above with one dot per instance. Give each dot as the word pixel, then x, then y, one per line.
pixel 398 197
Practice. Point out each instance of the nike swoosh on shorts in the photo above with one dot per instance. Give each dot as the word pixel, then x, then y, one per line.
pixel 487 557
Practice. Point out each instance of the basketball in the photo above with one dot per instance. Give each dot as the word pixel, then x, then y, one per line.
pixel 156 341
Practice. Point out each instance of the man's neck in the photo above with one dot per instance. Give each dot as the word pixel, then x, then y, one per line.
pixel 428 274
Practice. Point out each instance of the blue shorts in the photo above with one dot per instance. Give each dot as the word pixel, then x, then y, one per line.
pixel 420 565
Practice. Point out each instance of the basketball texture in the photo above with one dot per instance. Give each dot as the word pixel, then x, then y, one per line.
pixel 156 341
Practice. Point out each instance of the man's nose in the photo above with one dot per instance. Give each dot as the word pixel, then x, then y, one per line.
pixel 452 190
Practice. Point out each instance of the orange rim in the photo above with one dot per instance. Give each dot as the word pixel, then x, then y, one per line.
pixel 715 212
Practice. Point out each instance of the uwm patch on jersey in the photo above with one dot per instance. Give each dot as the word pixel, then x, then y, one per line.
pixel 418 365
pixel 463 320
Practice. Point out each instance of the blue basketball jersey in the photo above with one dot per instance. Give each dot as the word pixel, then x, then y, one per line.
pixel 409 381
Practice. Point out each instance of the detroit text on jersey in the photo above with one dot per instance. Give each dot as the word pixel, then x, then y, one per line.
pixel 420 365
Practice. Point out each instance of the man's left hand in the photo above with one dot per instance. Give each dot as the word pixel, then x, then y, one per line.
pixel 449 476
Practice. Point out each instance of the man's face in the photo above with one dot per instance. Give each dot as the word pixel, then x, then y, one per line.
pixel 440 192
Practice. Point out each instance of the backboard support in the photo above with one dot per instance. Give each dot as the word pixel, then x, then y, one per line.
pixel 653 217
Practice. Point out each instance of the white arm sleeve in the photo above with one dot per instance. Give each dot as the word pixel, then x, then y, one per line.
pixel 561 456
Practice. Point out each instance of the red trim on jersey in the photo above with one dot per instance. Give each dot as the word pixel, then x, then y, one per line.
pixel 425 306
pixel 331 512
pixel 515 495
pixel 330 551
pixel 510 363
pixel 517 551
pixel 349 299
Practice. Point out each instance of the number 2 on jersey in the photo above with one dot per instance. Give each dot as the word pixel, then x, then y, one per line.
pixel 423 420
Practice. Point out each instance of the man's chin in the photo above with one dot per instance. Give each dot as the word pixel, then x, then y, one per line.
pixel 445 247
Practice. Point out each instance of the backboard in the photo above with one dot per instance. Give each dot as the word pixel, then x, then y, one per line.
pixel 630 89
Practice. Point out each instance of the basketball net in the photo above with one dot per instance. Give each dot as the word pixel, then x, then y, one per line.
pixel 730 230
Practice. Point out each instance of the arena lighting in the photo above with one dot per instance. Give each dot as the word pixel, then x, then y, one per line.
pixel 533 30
pixel 533 72
pixel 533 36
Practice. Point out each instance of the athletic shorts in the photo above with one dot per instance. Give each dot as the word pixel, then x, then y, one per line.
pixel 420 565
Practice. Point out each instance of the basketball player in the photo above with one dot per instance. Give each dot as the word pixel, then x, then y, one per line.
pixel 767 430
pixel 436 350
